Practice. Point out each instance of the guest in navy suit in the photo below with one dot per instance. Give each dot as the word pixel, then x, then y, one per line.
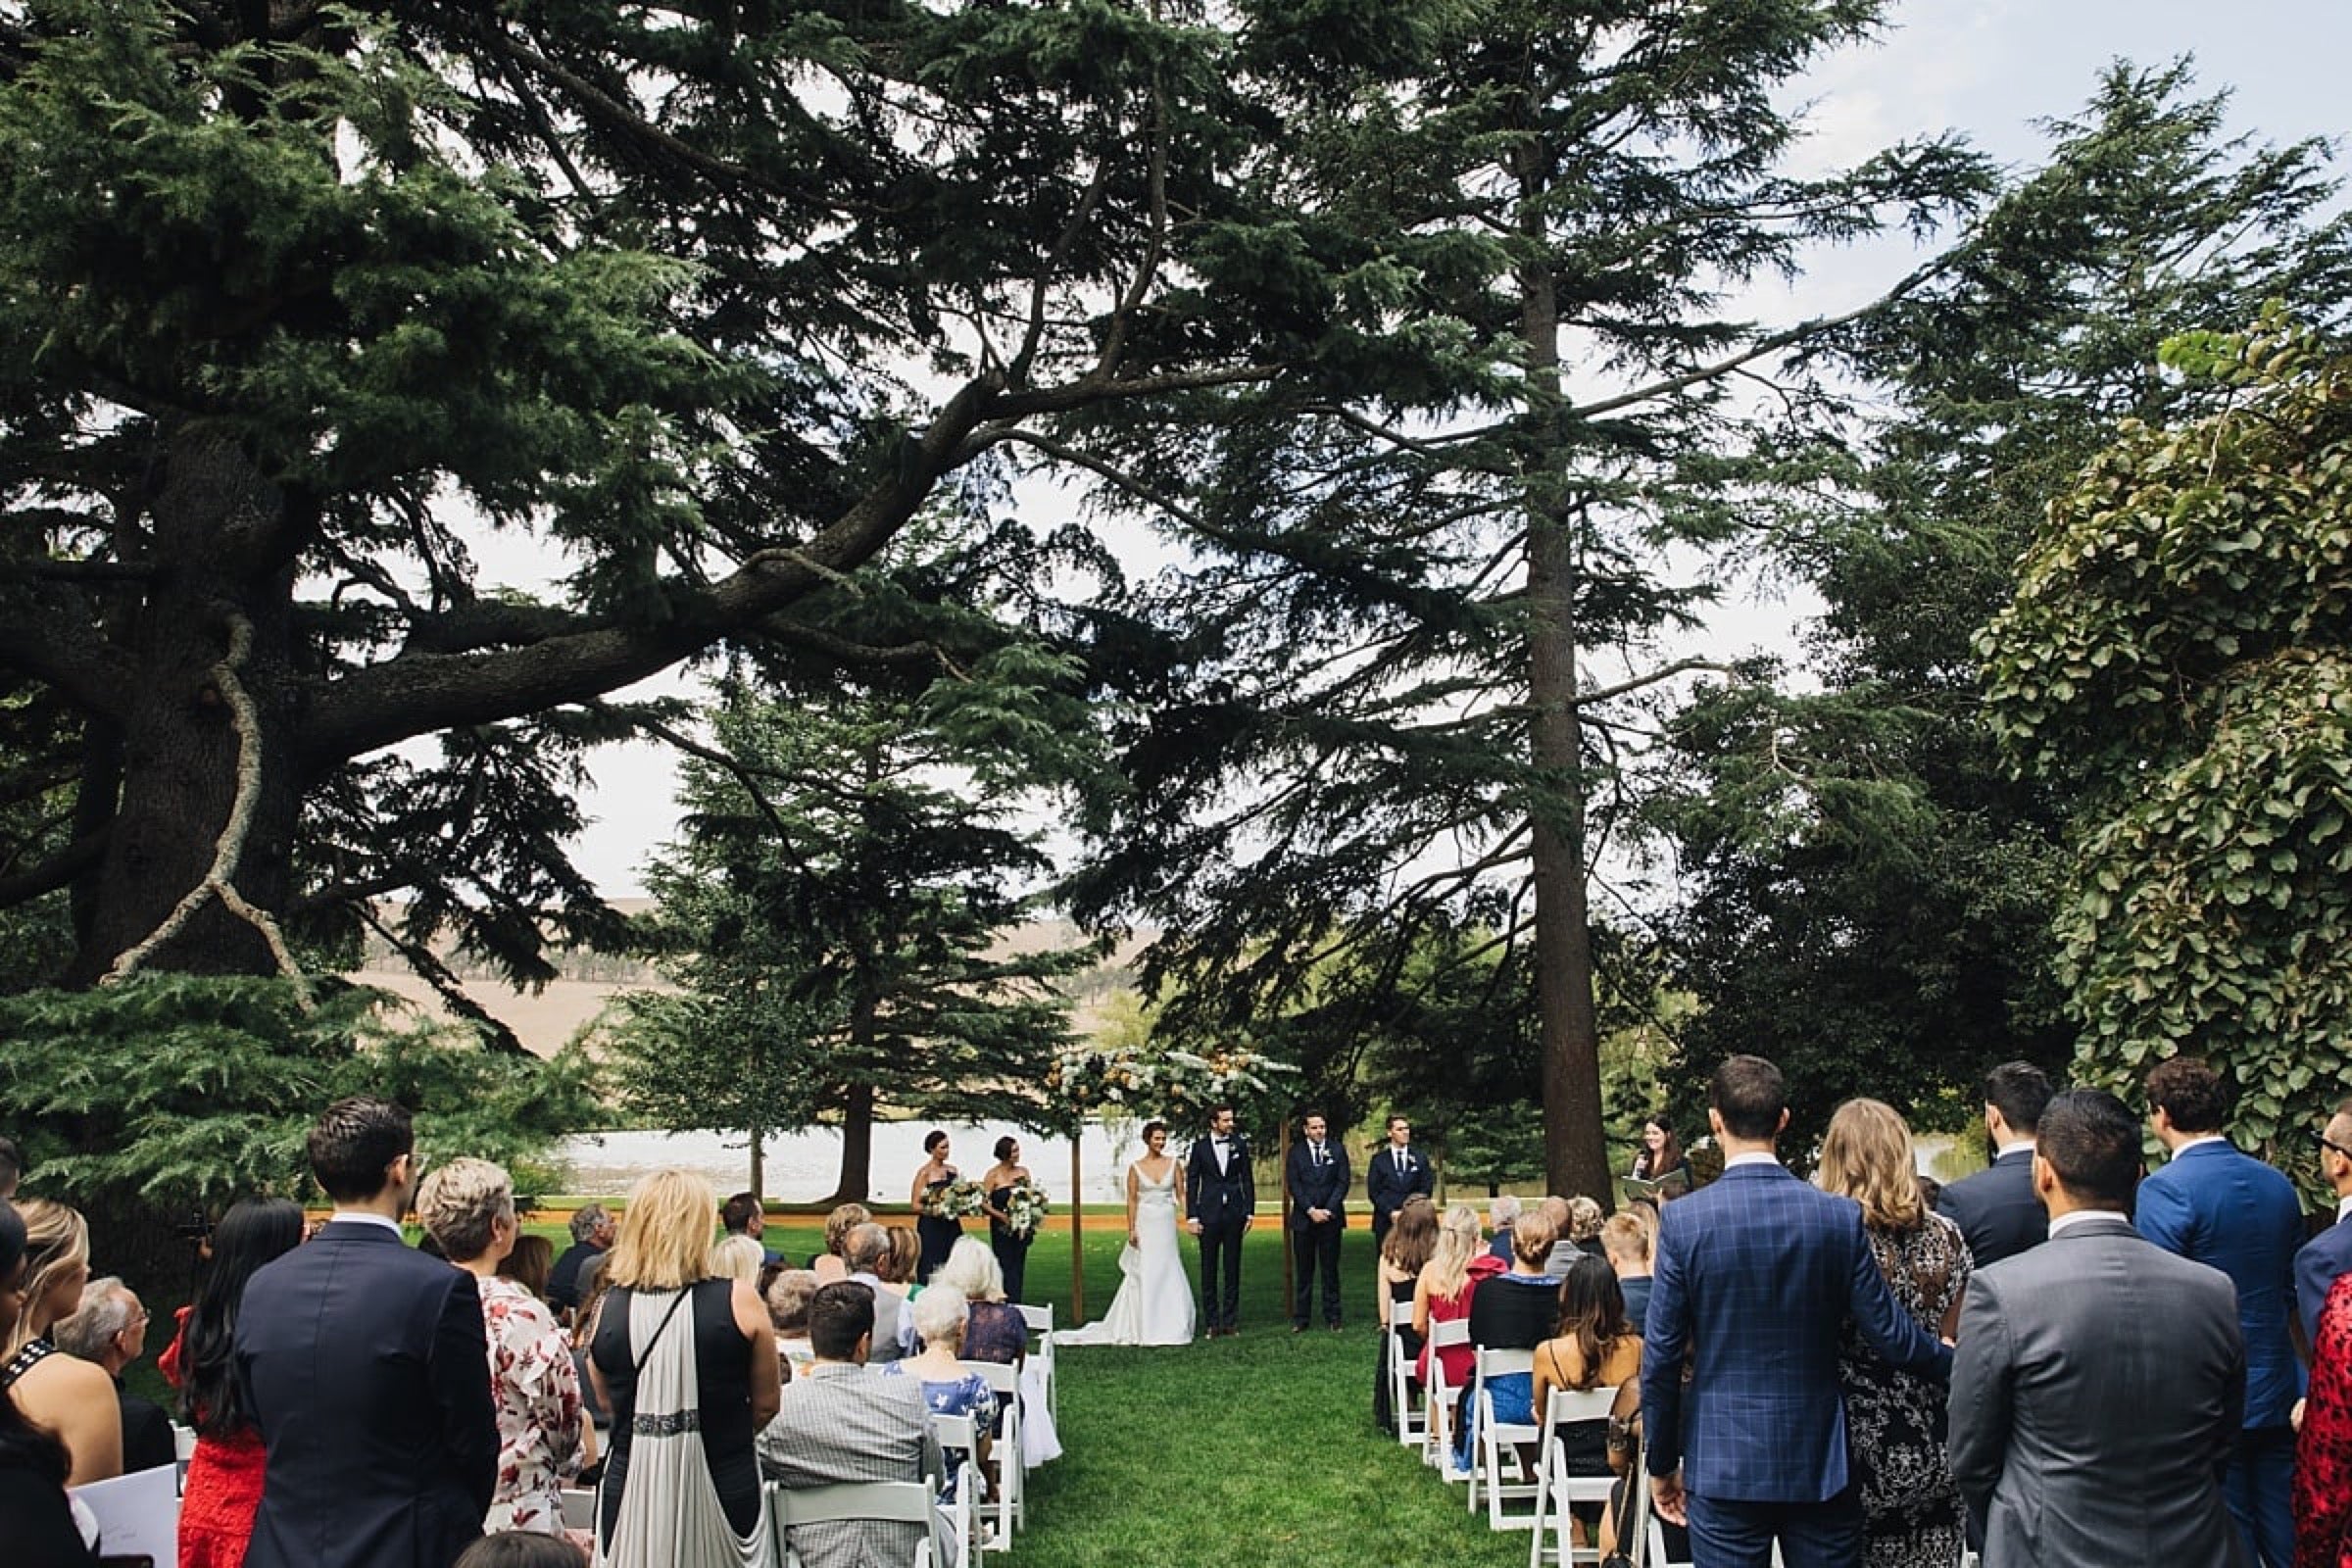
pixel 1995 1209
pixel 1756 1275
pixel 362 1363
pixel 2327 1255
pixel 2227 1209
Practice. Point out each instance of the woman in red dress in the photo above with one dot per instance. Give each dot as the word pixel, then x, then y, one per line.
pixel 225 1478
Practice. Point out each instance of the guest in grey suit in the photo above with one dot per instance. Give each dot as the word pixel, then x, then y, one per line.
pixel 2099 1382
pixel 838 1422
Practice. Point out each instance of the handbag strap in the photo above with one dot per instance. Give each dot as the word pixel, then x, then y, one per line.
pixel 637 1361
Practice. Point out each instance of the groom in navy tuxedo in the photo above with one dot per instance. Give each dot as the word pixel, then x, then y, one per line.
pixel 1220 1199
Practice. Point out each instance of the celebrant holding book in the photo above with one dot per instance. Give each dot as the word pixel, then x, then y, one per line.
pixel 937 1232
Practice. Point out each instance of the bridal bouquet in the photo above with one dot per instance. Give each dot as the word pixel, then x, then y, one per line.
pixel 956 1200
pixel 1024 1205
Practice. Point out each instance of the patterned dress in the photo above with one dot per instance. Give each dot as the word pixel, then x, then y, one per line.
pixel 968 1394
pixel 1894 1420
pixel 537 1390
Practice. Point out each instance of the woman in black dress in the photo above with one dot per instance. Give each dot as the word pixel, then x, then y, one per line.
pixel 1011 1247
pixel 936 1232
pixel 1403 1252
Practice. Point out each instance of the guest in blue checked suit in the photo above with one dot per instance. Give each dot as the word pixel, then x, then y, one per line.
pixel 1755 1275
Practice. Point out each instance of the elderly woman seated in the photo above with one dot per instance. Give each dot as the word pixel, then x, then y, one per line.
pixel 994 1330
pixel 940 1314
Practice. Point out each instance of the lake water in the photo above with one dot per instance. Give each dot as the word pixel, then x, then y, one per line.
pixel 805 1166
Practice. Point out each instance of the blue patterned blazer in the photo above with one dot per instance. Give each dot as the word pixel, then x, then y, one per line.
pixel 1756 1275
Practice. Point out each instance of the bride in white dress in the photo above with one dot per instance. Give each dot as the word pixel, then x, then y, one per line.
pixel 1155 1303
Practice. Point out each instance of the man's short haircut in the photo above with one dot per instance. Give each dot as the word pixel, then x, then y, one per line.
pixel 1396 1117
pixel 2191 1093
pixel 2018 1090
pixel 1626 1235
pixel 735 1215
pixel 586 1221
pixel 1306 1116
pixel 839 1314
pixel 866 1249
pixel 105 1312
pixel 2092 1140
pixel 1214 1111
pixel 1748 1094
pixel 460 1202
pixel 788 1298
pixel 355 1143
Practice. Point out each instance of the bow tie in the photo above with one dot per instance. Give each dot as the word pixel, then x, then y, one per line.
pixel 1217 1142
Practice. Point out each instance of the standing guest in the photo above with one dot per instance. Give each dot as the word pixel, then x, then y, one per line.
pixel 1220 1205
pixel 1594 1345
pixel 1448 1287
pixel 936 1232
pixel 1317 1180
pixel 787 1298
pixel 110 1330
pixel 1503 1212
pixel 529 1263
pixel 1660 1154
pixel 467 1206
pixel 1516 1310
pixel 1627 1242
pixel 1995 1209
pixel 2095 1398
pixel 1403 1253
pixel 939 1373
pixel 70 1397
pixel 1911 1515
pixel 2327 1256
pixel 867 1256
pixel 2216 1205
pixel 745 1215
pixel 829 1265
pixel 362 1363
pixel 687 1366
pixel 1394 1174
pixel 1756 1274
pixel 223 1486
pixel 2323 1446
pixel 592 1233
pixel 838 1424
pixel 36 1520
pixel 1010 1245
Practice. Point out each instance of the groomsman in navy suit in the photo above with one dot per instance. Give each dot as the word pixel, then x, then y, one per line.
pixel 1995 1209
pixel 1756 1274
pixel 2329 1253
pixel 2214 1205
pixel 1317 1179
pixel 1395 1174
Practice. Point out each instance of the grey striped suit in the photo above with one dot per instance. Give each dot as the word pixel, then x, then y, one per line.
pixel 839 1422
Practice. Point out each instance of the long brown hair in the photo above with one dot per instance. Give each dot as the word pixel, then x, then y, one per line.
pixel 1412 1237
pixel 1669 1154
pixel 1592 1313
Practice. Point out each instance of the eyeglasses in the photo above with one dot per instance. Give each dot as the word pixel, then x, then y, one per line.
pixel 2327 1143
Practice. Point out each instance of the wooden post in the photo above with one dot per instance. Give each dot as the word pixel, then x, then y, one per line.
pixel 1077 1233
pixel 1289 1285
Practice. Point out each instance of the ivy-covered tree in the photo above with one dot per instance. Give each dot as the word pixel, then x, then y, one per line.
pixel 2178 654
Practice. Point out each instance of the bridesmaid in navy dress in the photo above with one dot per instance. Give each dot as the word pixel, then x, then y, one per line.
pixel 937 1232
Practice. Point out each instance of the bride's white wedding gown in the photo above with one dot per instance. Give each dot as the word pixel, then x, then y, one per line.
pixel 1155 1303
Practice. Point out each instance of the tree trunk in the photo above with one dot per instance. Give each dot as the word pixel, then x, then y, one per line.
pixel 857 1182
pixel 758 1167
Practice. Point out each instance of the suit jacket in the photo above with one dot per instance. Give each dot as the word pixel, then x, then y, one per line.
pixel 2318 1264
pixel 362 1363
pixel 2216 1205
pixel 148 1443
pixel 1313 1185
pixel 836 1422
pixel 1219 1200
pixel 1756 1275
pixel 2095 1399
pixel 1996 1210
pixel 1388 1183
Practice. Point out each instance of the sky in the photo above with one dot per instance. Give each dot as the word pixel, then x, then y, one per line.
pixel 1990 68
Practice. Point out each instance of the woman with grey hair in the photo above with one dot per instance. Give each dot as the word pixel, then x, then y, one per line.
pixel 467 1206
pixel 940 1313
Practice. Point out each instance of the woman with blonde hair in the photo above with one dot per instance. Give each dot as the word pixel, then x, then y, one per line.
pixel 737 1257
pixel 687 1366
pixel 1894 1420
pixel 827 1266
pixel 1442 1293
pixel 73 1398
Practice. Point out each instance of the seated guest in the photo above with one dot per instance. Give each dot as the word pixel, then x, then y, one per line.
pixel 1597 1347
pixel 1561 1215
pixel 1515 1311
pixel 467 1206
pixel 592 1233
pixel 899 1274
pixel 993 1328
pixel 36 1520
pixel 831 1264
pixel 581 1333
pixel 839 1424
pixel 1403 1253
pixel 787 1298
pixel 735 1258
pixel 12 1168
pixel 1503 1212
pixel 111 1331
pixel 521 1548
pixel 223 1484
pixel 1584 1227
pixel 70 1398
pixel 1626 1242
pixel 1448 1287
pixel 530 1264
pixel 937 1370
pixel 867 1254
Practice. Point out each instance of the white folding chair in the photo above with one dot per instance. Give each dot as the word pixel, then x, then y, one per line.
pixel 958 1441
pixel 1442 1396
pixel 1412 1422
pixel 1007 1499
pixel 1041 1354
pixel 1497 1439
pixel 579 1507
pixel 846 1501
pixel 1557 1488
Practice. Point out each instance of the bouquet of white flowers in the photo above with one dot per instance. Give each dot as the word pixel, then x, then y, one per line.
pixel 956 1200
pixel 1024 1205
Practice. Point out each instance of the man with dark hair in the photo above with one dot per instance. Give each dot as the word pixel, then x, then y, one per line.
pixel 1394 1174
pixel 2219 1206
pixel 362 1363
pixel 1995 1209
pixel 836 1422
pixel 863 1251
pixel 1756 1274
pixel 1317 1180
pixel 2329 1253
pixel 2097 1387
pixel 745 1215
pixel 573 1276
pixel 1220 1205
